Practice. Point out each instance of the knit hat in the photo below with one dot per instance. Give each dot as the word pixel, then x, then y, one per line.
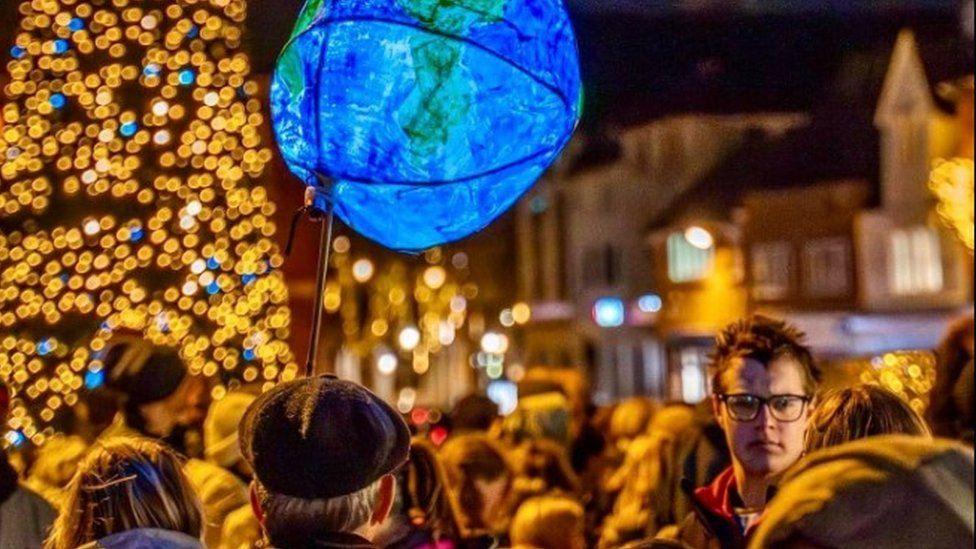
pixel 888 491
pixel 140 371
pixel 220 441
pixel 322 437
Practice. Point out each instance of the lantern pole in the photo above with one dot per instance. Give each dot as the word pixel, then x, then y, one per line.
pixel 325 247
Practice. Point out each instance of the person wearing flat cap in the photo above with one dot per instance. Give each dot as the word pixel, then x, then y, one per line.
pixel 324 452
pixel 154 390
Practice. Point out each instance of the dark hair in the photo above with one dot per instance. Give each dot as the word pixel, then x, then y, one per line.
pixel 468 458
pixel 123 484
pixel 422 495
pixel 859 412
pixel 944 413
pixel 762 339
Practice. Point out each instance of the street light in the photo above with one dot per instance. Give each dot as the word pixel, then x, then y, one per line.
pixel 494 343
pixel 699 237
pixel 409 338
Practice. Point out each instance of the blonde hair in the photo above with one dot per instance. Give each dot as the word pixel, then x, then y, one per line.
pixel 123 484
pixel 547 522
pixel 858 412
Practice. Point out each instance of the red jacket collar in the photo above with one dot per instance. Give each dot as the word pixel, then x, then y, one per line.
pixel 717 496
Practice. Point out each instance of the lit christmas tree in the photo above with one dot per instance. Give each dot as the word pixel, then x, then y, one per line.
pixel 130 145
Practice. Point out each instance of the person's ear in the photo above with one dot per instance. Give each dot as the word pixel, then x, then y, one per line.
pixel 256 503
pixel 384 502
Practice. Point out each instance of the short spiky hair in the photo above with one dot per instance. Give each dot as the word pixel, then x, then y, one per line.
pixel 763 339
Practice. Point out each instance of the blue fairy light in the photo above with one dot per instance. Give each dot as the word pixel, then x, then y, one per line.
pixel 128 129
pixel 58 100
pixel 421 122
pixel 213 288
pixel 187 77
pixel 213 264
pixel 94 379
pixel 248 278
pixel 15 438
pixel 152 69
pixel 136 234
pixel 17 52
pixel 249 354
pixel 193 32
pixel 45 347
pixel 76 24
pixel 60 46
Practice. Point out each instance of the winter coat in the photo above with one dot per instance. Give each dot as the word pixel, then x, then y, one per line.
pixel 146 538
pixel 334 540
pixel 25 517
pixel 712 523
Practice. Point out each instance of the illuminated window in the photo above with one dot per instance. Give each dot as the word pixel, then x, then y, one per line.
pixel 827 267
pixel 915 261
pixel 687 262
pixel 771 270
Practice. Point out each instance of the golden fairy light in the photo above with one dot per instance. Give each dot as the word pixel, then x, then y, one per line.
pixel 952 183
pixel 909 374
pixel 129 147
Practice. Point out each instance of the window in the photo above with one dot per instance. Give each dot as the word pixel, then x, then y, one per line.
pixel 915 261
pixel 602 267
pixel 686 262
pixel 827 268
pixel 771 270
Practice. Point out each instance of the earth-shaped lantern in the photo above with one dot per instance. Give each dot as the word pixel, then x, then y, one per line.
pixel 420 121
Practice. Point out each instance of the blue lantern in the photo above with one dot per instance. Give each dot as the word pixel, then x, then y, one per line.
pixel 421 121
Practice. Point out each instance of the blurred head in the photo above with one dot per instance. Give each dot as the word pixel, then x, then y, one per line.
pixel 221 444
pixel 473 412
pixel 763 384
pixel 125 484
pixel 539 416
pixel 153 385
pixel 858 412
pixel 548 522
pixel 949 415
pixel 480 478
pixel 422 500
pixel 630 418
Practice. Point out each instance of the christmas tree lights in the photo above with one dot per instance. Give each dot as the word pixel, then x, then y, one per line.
pixel 130 145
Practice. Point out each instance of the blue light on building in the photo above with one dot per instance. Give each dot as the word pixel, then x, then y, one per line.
pixel 650 303
pixel 608 312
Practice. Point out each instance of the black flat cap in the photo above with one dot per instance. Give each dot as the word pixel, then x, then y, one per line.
pixel 322 437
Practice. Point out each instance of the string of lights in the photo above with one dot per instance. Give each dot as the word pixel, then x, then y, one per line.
pixel 130 149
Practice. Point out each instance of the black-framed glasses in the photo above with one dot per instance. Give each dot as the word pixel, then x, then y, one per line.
pixel 745 407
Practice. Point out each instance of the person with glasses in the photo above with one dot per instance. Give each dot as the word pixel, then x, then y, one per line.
pixel 763 384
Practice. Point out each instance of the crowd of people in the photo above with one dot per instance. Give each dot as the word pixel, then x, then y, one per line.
pixel 769 460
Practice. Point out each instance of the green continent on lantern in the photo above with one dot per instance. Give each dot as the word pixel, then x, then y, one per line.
pixel 454 16
pixel 441 98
